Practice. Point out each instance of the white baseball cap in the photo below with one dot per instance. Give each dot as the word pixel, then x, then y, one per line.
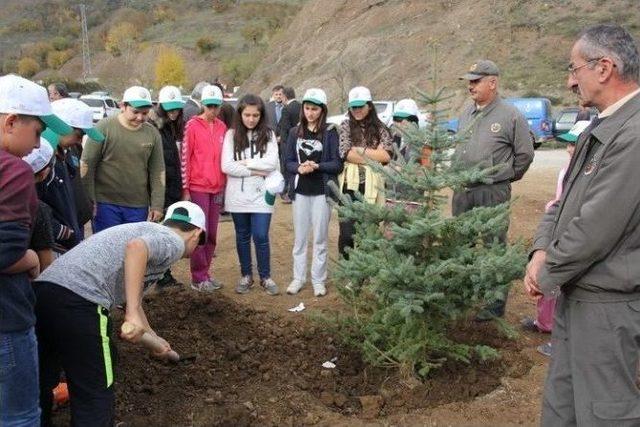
pixel 405 108
pixel 315 96
pixel 190 213
pixel 21 96
pixel 39 157
pixel 170 98
pixel 137 97
pixel 359 96
pixel 78 115
pixel 211 95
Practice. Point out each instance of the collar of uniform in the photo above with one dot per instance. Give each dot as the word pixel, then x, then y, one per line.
pixel 490 106
pixel 616 106
pixel 606 130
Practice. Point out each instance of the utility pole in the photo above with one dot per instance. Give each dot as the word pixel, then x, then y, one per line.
pixel 86 56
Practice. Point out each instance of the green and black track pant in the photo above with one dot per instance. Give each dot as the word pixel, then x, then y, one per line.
pixel 74 336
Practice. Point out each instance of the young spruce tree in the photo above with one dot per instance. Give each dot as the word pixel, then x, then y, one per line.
pixel 415 270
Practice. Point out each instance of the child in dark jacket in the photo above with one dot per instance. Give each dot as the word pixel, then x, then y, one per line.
pixel 312 160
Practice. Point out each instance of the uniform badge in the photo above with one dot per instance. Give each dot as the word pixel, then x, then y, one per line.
pixel 495 127
pixel 143 94
pixel 172 95
pixel 591 166
pixel 473 67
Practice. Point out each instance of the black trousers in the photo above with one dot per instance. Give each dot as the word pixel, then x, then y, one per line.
pixel 347 227
pixel 74 335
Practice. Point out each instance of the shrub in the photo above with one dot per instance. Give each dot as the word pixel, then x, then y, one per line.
pixel 206 44
pixel 121 38
pixel 238 68
pixel 27 67
pixel 252 33
pixel 56 59
pixel 60 43
pixel 170 69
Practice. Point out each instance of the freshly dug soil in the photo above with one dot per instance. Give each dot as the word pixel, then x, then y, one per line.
pixel 253 367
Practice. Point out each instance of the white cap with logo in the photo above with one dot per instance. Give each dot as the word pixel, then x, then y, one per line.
pixel 137 97
pixel 78 115
pixel 315 96
pixel 359 96
pixel 211 95
pixel 39 157
pixel 405 108
pixel 170 98
pixel 193 215
pixel 21 96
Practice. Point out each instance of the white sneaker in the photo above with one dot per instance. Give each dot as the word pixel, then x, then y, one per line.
pixel 294 287
pixel 319 289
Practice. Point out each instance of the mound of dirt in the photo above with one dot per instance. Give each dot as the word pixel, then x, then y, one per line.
pixel 250 367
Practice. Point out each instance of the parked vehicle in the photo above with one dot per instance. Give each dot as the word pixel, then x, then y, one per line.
pixel 566 118
pixel 537 111
pixel 101 104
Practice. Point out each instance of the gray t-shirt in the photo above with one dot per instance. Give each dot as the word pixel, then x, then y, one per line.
pixel 94 269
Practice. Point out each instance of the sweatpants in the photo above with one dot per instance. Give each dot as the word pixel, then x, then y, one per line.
pixel 201 258
pixel 74 335
pixel 310 213
pixel 592 380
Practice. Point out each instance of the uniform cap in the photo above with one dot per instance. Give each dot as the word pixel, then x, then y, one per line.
pixel 481 68
pixel 78 115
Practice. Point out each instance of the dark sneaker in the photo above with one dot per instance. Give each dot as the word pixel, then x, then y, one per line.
pixel 244 285
pixel 270 286
pixel 545 349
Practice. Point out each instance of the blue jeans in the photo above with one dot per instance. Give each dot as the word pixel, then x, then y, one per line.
pixel 19 402
pixel 254 225
pixel 108 215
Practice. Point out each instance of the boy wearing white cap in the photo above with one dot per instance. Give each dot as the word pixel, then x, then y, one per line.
pixel 78 291
pixel 124 175
pixel 58 191
pixel 24 113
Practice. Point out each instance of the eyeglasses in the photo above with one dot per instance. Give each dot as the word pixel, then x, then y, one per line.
pixel 571 69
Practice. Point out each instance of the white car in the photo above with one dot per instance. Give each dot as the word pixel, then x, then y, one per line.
pixel 101 104
pixel 385 114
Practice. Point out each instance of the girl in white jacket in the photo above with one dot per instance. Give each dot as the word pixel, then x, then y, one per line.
pixel 249 154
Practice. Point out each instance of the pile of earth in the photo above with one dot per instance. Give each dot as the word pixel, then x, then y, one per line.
pixel 243 366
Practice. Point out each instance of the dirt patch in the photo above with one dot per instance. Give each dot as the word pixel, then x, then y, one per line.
pixel 252 367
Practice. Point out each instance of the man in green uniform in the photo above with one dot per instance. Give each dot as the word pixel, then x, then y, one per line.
pixel 587 247
pixel 496 135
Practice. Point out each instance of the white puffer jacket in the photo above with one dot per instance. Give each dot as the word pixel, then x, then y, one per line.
pixel 245 192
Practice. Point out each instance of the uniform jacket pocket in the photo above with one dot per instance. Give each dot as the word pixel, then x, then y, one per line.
pixel 617 410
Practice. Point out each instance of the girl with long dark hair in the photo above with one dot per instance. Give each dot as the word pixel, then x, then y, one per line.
pixel 250 154
pixel 312 161
pixel 363 137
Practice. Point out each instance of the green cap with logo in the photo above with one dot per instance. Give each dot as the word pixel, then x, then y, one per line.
pixel 481 68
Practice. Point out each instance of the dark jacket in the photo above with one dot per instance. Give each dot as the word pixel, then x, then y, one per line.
pixel 289 119
pixel 58 193
pixel 330 165
pixel 173 175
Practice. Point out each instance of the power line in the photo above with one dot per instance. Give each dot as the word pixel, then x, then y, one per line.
pixel 86 56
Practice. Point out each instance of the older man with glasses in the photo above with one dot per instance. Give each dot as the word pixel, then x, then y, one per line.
pixel 587 247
